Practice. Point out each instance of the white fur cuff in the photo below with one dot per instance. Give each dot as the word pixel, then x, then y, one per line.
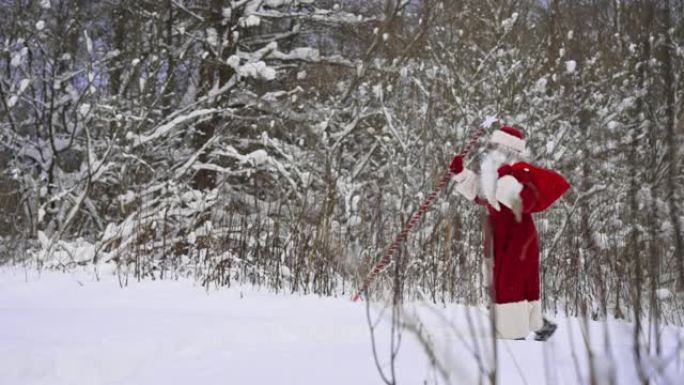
pixel 467 183
pixel 512 319
pixel 536 319
pixel 508 191
pixel 518 319
pixel 508 140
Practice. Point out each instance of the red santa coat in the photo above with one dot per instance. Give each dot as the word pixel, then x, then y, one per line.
pixel 515 248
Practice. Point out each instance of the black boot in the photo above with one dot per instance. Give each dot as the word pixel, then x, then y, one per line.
pixel 546 331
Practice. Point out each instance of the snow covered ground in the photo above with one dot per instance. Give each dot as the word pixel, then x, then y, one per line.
pixel 71 329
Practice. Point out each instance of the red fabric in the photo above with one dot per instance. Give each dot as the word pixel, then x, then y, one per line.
pixel 516 244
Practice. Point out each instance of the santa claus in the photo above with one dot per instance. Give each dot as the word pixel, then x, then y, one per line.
pixel 512 190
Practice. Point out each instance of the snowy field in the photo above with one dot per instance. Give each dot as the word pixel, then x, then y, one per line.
pixel 72 329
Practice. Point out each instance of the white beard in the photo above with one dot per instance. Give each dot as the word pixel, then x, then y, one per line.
pixel 489 174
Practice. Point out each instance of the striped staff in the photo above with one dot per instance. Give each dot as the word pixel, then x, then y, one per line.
pixel 443 181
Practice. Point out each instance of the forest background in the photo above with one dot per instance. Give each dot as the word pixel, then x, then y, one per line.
pixel 284 143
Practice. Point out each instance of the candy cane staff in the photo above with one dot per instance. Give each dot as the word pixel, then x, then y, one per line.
pixel 511 190
pixel 386 259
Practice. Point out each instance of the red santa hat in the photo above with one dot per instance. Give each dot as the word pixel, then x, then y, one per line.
pixel 509 137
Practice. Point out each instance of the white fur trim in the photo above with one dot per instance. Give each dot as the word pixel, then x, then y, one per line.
pixel 508 193
pixel 512 319
pixel 536 320
pixel 461 176
pixel 508 140
pixel 487 272
pixel 467 183
pixel 518 319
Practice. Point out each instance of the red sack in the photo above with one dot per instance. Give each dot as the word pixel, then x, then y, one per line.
pixel 547 185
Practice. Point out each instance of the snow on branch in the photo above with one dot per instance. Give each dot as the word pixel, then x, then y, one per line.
pixel 180 171
pixel 164 129
pixel 255 159
pixel 320 16
pixel 255 67
pixel 302 53
pixel 310 55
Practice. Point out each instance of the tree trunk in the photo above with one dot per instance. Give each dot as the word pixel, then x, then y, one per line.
pixel 119 18
pixel 169 87
pixel 672 146
pixel 646 20
pixel 213 70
